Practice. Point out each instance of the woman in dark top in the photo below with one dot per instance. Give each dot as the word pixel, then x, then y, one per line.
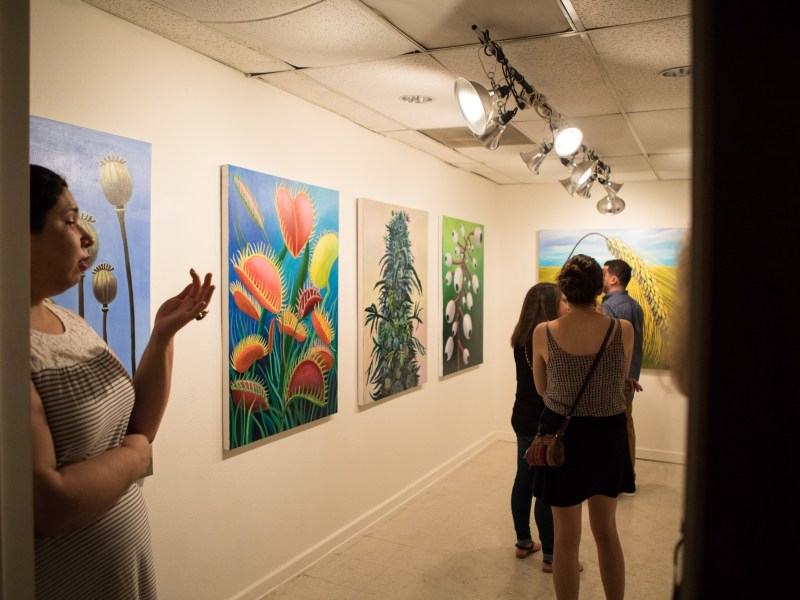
pixel 543 302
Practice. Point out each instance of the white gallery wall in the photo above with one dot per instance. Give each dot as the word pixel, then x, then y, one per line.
pixel 226 528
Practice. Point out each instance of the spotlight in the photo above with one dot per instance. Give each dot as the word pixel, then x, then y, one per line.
pixel 583 171
pixel 611 187
pixel 534 159
pixel 567 141
pixel 490 138
pixel 568 184
pixel 475 103
pixel 584 189
pixel 486 114
pixel 611 205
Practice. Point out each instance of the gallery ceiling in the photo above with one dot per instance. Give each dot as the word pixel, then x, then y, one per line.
pixel 597 62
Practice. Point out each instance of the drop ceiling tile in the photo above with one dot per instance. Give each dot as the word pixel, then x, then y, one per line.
pixel 187 32
pixel 379 86
pixel 449 22
pixel 536 131
pixel 631 168
pixel 664 131
pixel 641 88
pixel 607 135
pixel 422 142
pixel 333 32
pixel 672 166
pixel 489 173
pixel 561 68
pixel 593 14
pixel 634 56
pixel 502 153
pixel 301 86
pixel 234 10
pixel 662 42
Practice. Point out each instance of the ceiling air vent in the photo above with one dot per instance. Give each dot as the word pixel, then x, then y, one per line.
pixel 461 137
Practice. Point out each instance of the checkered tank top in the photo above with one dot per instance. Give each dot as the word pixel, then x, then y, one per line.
pixel 604 395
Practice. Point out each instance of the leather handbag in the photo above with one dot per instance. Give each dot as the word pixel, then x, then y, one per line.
pixel 547 450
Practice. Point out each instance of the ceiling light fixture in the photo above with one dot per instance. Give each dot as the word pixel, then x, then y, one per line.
pixel 411 99
pixel 487 114
pixel 676 72
pixel 476 105
pixel 567 140
pixel 611 205
pixel 534 159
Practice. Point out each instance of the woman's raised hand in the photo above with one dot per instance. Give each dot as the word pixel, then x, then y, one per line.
pixel 190 304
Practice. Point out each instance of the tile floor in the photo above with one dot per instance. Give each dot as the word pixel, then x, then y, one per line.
pixel 456 541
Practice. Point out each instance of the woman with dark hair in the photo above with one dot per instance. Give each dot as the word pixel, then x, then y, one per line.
pixel 543 302
pixel 597 466
pixel 92 424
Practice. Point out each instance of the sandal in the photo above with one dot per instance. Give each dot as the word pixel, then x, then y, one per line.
pixel 523 551
pixel 547 566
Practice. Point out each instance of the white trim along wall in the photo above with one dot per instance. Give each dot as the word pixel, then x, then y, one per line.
pixel 234 528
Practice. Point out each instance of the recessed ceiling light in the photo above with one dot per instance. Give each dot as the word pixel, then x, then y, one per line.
pixel 676 72
pixel 416 99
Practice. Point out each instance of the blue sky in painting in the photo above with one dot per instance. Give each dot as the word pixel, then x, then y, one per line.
pixel 75 153
pixel 654 246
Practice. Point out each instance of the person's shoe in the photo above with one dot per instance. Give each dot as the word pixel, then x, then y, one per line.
pixel 523 551
pixel 547 566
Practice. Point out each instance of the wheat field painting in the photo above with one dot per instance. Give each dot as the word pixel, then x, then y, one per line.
pixel 652 255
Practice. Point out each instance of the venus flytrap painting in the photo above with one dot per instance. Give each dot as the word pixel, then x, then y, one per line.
pixel 652 255
pixel 281 240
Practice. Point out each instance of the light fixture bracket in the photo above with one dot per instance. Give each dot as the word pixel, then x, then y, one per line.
pixel 524 95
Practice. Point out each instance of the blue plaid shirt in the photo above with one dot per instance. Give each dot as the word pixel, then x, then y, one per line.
pixel 621 306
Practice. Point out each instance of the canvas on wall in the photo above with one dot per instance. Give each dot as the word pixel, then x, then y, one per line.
pixel 461 262
pixel 109 177
pixel 652 255
pixel 392 293
pixel 281 306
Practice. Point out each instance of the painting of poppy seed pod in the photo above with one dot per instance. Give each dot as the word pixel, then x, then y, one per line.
pixel 109 176
pixel 281 242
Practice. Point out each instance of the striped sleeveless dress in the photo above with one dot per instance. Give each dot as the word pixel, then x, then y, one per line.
pixel 88 397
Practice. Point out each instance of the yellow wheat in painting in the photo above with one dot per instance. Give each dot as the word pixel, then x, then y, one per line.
pixel 653 286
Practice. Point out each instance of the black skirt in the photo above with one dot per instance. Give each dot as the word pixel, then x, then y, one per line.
pixel 597 460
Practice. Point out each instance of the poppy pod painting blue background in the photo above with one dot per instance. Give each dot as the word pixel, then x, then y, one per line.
pixel 109 177
pixel 281 241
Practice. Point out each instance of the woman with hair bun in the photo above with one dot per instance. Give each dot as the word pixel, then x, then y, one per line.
pixel 597 466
